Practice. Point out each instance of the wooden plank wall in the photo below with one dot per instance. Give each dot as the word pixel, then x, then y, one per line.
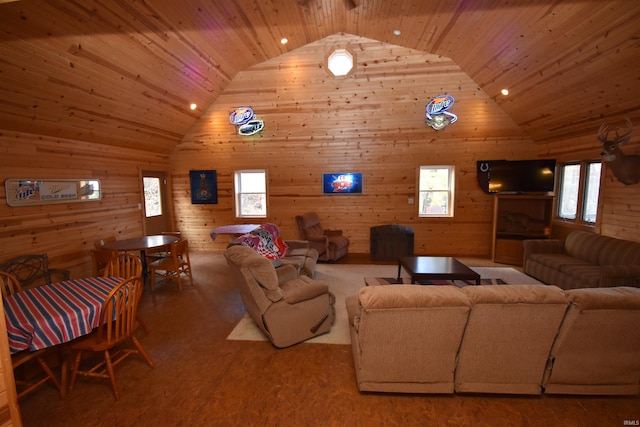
pixel 370 122
pixel 620 204
pixel 66 232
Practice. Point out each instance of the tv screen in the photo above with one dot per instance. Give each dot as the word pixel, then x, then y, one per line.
pixel 342 183
pixel 517 176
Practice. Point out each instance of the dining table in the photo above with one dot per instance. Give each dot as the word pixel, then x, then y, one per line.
pixel 142 244
pixel 48 315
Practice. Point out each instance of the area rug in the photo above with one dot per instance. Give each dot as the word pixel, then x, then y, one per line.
pixel 347 279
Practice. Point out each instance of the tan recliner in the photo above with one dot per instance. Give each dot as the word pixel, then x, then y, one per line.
pixel 287 308
pixel 597 350
pixel 330 244
pixel 508 337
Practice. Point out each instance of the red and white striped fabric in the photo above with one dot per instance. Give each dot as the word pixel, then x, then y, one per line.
pixel 57 313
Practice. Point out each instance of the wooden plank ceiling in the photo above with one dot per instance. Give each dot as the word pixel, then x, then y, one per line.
pixel 124 72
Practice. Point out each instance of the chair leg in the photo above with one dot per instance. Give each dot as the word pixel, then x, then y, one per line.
pixel 51 376
pixel 112 376
pixel 74 370
pixel 142 351
pixel 142 323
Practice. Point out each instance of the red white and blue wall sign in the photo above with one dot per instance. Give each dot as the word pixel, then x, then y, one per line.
pixel 438 114
pixel 245 120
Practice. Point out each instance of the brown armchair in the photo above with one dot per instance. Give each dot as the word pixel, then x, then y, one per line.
pixel 288 309
pixel 330 244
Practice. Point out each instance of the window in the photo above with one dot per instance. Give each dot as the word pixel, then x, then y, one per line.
pixel 251 194
pixel 579 191
pixel 152 196
pixel 436 191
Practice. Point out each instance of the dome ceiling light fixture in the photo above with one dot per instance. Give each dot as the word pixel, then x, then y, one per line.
pixel 340 62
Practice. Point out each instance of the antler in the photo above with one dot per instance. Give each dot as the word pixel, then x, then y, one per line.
pixel 619 138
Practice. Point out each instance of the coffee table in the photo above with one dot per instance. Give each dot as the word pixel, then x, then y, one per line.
pixel 436 268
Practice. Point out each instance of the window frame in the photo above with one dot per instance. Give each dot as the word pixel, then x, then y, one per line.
pixel 450 190
pixel 238 193
pixel 583 188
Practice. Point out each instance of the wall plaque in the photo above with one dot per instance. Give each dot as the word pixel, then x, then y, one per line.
pixel 29 192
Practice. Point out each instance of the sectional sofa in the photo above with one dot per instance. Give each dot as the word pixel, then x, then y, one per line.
pixel 520 339
pixel 583 260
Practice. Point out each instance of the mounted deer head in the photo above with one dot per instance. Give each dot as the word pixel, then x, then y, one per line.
pixel 625 168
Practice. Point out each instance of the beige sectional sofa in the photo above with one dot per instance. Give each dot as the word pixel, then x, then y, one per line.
pixel 520 339
pixel 583 260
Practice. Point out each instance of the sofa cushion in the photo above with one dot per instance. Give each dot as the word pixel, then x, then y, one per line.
pixel 410 296
pixel 585 245
pixel 589 275
pixel 556 261
pixel 619 298
pixel 515 294
pixel 619 252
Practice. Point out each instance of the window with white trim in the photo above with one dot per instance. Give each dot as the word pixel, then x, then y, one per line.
pixel 579 191
pixel 436 191
pixel 251 193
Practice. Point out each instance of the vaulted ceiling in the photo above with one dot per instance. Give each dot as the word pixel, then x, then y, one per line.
pixel 124 72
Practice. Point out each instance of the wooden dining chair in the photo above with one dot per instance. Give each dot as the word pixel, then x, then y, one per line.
pixel 162 252
pixel 99 244
pixel 10 283
pixel 173 265
pixel 99 260
pixel 118 323
pixel 125 265
pixel 25 384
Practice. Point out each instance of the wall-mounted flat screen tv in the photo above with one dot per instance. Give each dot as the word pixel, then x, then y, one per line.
pixel 517 176
pixel 342 183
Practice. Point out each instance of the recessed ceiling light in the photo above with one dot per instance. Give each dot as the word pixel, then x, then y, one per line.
pixel 505 92
pixel 193 106
pixel 284 40
pixel 397 32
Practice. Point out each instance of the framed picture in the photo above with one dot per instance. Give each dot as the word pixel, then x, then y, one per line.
pixel 342 183
pixel 204 187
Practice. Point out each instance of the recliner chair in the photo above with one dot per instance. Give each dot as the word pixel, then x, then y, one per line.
pixel 288 309
pixel 330 244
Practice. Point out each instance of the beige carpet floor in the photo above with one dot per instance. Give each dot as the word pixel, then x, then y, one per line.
pixel 344 280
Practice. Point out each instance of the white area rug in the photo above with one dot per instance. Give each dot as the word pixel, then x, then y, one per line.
pixel 345 280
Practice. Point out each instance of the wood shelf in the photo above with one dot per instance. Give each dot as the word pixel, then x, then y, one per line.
pixel 516 218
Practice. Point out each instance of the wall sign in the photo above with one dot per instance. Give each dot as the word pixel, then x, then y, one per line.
pixel 204 187
pixel 438 115
pixel 245 120
pixel 29 192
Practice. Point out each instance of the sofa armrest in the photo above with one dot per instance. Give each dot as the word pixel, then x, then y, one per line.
pixel 620 275
pixel 286 272
pixel 333 232
pixel 544 246
pixel 299 290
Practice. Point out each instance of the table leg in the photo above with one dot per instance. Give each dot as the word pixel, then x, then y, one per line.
pixel 399 269
pixel 145 271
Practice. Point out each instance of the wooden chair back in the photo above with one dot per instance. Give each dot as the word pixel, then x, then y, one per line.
pixel 99 260
pixel 9 284
pixel 101 242
pixel 119 312
pixel 177 262
pixel 123 265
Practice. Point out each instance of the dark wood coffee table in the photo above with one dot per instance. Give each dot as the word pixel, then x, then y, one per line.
pixel 436 268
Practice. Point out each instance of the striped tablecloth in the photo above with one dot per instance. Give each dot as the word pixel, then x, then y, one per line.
pixel 57 313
